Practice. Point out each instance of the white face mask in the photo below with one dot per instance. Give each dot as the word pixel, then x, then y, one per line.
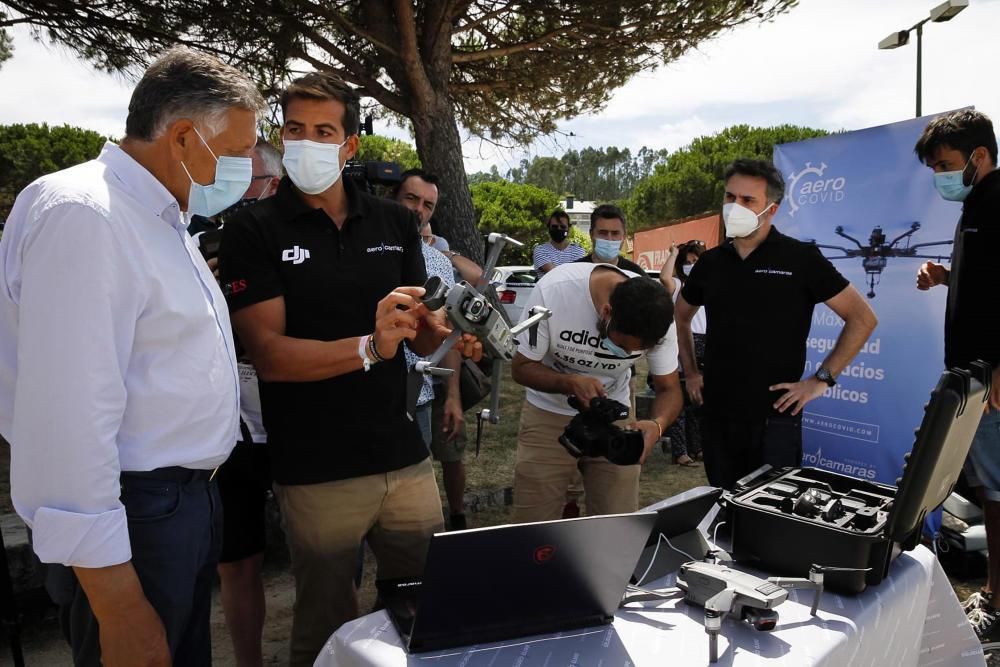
pixel 741 221
pixel 686 269
pixel 313 166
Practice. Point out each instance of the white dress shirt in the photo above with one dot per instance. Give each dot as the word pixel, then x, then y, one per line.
pixel 116 353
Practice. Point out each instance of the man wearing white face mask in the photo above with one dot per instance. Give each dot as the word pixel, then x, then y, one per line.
pixel 308 272
pixel 961 148
pixel 118 381
pixel 759 290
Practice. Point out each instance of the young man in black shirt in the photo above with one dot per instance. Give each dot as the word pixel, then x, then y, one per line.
pixel 307 273
pixel 961 148
pixel 607 231
pixel 759 290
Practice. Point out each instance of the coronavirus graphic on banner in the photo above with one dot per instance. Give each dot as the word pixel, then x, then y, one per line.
pixel 871 207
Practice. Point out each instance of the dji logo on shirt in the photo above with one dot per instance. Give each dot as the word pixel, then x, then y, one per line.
pixel 295 255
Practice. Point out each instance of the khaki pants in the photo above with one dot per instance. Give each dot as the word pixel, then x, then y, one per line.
pixel 396 512
pixel 544 469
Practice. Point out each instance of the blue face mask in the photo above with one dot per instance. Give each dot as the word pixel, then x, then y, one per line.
pixel 951 184
pixel 606 249
pixel 233 176
pixel 611 346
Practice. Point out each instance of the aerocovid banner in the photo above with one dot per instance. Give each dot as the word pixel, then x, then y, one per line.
pixel 871 207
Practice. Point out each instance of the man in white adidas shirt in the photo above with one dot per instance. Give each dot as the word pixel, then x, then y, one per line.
pixel 603 321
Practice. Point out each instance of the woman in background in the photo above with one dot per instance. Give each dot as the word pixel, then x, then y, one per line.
pixel 685 433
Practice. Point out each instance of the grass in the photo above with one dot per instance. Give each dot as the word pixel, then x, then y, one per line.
pixel 493 469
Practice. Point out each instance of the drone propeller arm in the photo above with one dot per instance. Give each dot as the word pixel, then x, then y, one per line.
pixel 537 314
pixel 497 243
pixel 904 235
pixel 444 348
pixel 839 231
pixel 928 245
pixel 847 252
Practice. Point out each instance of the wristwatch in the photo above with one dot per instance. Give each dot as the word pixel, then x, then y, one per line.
pixel 366 361
pixel 824 375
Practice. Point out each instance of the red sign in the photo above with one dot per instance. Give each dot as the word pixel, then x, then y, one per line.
pixel 650 246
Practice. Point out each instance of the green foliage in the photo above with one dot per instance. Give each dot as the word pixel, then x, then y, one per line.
pixel 691 180
pixel 30 151
pixel 383 149
pixel 593 174
pixel 492 176
pixel 6 46
pixel 518 210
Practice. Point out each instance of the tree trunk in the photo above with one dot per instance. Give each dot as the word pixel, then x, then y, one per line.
pixel 439 146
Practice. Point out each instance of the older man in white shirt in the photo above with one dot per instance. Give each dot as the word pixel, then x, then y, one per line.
pixel 118 382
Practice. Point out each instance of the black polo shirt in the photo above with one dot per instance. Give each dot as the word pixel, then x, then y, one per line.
pixel 331 280
pixel 758 312
pixel 623 264
pixel 972 322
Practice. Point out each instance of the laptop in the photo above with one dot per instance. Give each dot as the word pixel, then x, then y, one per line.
pixel 505 582
pixel 677 519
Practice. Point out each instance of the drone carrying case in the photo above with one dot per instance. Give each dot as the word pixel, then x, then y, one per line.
pixel 784 521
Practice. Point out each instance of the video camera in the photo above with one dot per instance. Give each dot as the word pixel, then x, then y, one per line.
pixel 593 432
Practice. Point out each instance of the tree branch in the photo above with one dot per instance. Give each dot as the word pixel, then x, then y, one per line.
pixel 490 54
pixel 412 64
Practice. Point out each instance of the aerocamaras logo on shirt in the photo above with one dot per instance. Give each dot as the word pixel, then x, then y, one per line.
pixel 774 272
pixel 386 248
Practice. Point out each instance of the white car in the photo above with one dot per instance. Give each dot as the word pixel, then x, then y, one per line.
pixel 514 284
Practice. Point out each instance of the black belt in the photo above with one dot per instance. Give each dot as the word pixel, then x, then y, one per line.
pixel 171 474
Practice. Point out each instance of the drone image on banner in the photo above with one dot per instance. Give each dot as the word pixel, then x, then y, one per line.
pixel 875 256
pixel 470 311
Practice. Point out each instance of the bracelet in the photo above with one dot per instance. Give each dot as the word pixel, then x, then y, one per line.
pixel 372 350
pixel 366 361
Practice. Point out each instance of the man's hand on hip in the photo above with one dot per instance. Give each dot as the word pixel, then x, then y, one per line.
pixel 797 394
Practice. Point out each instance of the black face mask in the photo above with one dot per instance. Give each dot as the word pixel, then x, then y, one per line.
pixel 558 234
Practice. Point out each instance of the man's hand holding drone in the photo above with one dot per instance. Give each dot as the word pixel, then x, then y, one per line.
pixel 401 315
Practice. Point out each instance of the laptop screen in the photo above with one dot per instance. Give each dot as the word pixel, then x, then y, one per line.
pixel 511 581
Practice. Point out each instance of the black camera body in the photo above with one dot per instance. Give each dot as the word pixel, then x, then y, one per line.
pixel 594 433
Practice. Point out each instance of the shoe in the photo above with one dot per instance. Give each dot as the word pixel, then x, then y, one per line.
pixel 978 600
pixel 571 510
pixel 686 461
pixel 986 622
pixel 457 522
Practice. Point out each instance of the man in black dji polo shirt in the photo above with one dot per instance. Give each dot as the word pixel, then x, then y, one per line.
pixel 759 289
pixel 307 273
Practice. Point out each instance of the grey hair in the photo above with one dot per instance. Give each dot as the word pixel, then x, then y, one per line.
pixel 270 156
pixel 184 83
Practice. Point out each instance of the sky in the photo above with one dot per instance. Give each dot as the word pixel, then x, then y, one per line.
pixel 817 65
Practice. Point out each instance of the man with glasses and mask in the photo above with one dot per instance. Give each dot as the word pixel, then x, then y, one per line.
pixel 118 379
pixel 323 281
pixel 759 290
pixel 961 149
pixel 603 320
pixel 559 250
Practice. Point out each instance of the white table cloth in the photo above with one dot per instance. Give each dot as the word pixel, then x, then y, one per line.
pixel 913 618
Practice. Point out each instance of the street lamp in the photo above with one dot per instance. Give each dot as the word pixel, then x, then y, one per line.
pixel 946 11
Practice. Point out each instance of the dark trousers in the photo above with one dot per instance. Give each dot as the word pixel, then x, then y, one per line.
pixel 175 529
pixel 732 448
